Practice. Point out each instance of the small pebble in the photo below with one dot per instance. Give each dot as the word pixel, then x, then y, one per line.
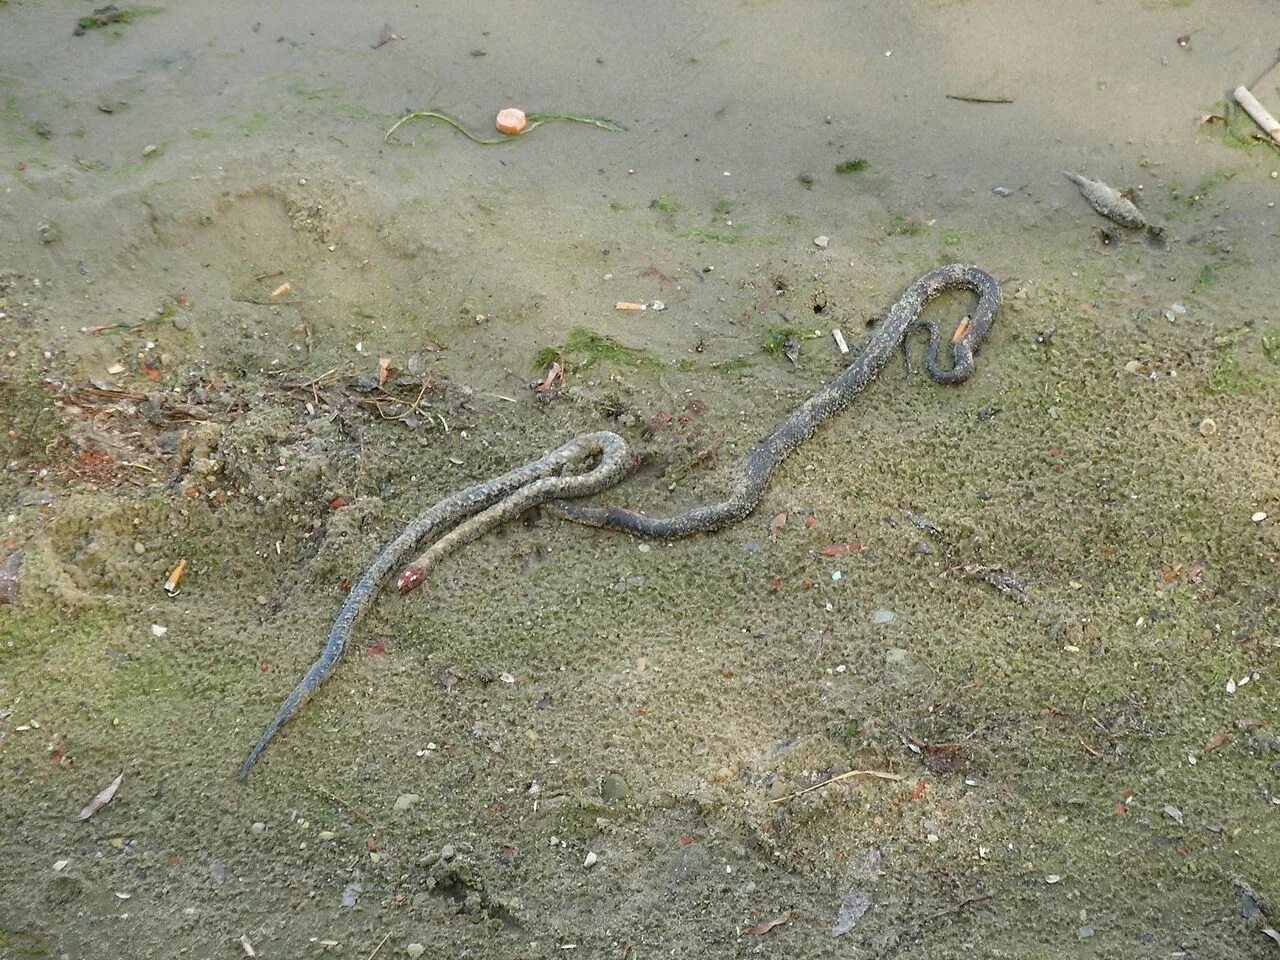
pixel 258 827
pixel 1259 516
pixel 1002 191
pixel 405 801
pixel 613 788
pixel 1052 878
pixel 1084 933
pixel 149 149
pixel 883 616
pixel 589 860
pixel 139 549
pixel 415 949
pixel 657 305
pixel 821 242
pixel 1208 427
pixel 158 631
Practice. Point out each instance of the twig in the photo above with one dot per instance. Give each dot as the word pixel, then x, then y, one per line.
pixel 836 779
pixel 351 807
pixel 379 946
pixel 964 99
pixel 1271 66
pixel 955 909
pixel 239 297
pixel 1096 753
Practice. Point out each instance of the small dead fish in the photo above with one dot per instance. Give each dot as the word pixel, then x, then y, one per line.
pixel 1108 201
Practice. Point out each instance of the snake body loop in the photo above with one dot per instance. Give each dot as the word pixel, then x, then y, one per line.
pixel 487 505
pixel 477 509
pixel 753 474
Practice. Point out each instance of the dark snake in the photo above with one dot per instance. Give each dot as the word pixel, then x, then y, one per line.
pixel 753 473
pixel 478 509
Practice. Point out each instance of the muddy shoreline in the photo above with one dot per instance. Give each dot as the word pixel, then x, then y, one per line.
pixel 239 328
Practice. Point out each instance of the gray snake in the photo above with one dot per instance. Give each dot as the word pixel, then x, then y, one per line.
pixel 753 473
pixel 479 508
pixel 484 506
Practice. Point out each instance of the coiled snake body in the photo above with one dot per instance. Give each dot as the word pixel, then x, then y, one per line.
pixel 485 505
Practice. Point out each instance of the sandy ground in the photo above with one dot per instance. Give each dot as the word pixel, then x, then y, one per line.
pixel 571 742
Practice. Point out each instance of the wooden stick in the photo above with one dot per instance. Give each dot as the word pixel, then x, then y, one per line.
pixel 1259 113
pixel 965 99
pixel 957 908
pixel 844 776
pixel 351 807
pixel 379 946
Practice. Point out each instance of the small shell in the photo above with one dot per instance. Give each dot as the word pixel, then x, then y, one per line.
pixel 510 121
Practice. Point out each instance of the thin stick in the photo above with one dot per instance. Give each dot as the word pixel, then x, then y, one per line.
pixel 957 908
pixel 964 99
pixel 844 776
pixel 1271 66
pixel 337 799
pixel 379 946
pixel 1096 753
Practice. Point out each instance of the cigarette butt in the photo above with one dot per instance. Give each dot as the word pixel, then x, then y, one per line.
pixel 628 305
pixel 282 289
pixel 961 328
pixel 171 585
pixel 1259 113
pixel 839 338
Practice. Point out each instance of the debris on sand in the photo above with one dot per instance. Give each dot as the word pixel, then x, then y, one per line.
pixel 852 908
pixel 100 801
pixel 104 17
pixel 1258 112
pixel 760 929
pixel 1108 201
pixel 10 568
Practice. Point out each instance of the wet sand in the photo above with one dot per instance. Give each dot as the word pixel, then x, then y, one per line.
pixel 1071 667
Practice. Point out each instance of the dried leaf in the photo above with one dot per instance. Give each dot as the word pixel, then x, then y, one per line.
pixel 854 905
pixel 1218 739
pixel 100 801
pixel 841 549
pixel 1171 574
pixel 384 367
pixel 760 929
pixel 555 374
pixel 1195 573
pixel 776 524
